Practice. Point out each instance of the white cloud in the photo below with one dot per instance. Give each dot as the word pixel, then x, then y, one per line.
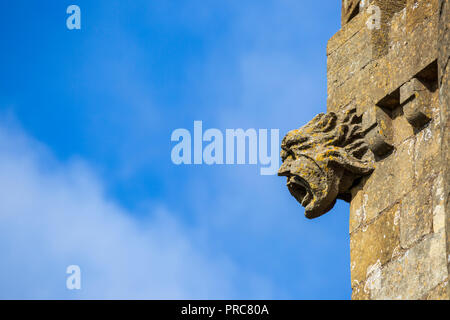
pixel 55 214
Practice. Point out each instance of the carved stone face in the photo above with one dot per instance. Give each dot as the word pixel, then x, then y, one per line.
pixel 322 159
pixel 309 183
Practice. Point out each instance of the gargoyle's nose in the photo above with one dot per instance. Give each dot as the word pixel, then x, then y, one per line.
pixel 285 169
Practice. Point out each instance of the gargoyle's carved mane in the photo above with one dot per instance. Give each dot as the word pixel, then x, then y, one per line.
pixel 328 136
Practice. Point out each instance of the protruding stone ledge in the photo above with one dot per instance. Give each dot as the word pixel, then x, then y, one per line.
pixel 377 125
pixel 415 98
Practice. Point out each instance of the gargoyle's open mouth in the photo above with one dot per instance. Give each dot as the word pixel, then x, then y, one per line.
pixel 300 190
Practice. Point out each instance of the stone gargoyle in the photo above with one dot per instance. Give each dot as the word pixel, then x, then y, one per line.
pixel 323 160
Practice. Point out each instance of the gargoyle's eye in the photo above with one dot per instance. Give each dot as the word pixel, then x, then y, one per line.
pixel 292 154
pixel 297 140
pixel 286 153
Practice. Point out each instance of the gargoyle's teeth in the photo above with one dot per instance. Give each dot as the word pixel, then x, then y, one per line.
pixel 306 199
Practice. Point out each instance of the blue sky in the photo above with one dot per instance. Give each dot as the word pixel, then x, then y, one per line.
pixel 86 176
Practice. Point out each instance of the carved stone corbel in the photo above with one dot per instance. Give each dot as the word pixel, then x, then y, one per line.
pixel 415 98
pixel 377 126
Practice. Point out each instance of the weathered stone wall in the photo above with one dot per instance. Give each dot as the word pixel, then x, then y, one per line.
pixel 397 78
pixel 444 97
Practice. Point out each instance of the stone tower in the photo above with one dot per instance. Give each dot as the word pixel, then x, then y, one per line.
pixel 383 146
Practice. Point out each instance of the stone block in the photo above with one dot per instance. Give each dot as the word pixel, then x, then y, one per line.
pixel 381 37
pixel 416 218
pixel 378 123
pixel 416 101
pixel 404 169
pixel 357 208
pixel 427 152
pixel 392 179
pixel 374 243
pixel 349 59
pixel 401 128
pixel 347 32
pixel 413 275
pixel 438 203
pixel 418 11
pixel 377 194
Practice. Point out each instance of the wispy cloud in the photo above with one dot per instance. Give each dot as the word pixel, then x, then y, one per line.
pixel 55 214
